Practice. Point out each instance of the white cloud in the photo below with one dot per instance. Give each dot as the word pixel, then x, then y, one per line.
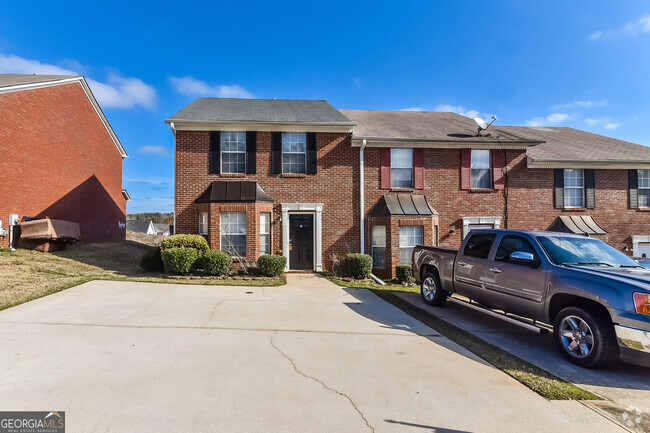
pixel 605 122
pixel 641 26
pixel 551 119
pixel 458 109
pixel 413 109
pixel 153 150
pixel 581 104
pixel 190 86
pixel 117 92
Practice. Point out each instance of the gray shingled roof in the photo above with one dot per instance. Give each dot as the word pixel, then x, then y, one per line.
pixel 7 80
pixel 425 126
pixel 271 111
pixel 562 144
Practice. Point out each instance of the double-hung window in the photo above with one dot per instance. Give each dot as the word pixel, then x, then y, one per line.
pixel 644 188
pixel 233 152
pixel 294 153
pixel 574 188
pixel 409 237
pixel 481 169
pixel 401 168
pixel 233 233
pixel 265 233
pixel 379 247
pixel 203 223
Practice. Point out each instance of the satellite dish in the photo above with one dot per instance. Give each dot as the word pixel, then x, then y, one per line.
pixel 482 126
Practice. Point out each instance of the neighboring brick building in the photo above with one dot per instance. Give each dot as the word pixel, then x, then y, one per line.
pixel 427 178
pixel 60 157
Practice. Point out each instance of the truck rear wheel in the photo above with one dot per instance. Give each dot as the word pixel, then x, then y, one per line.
pixel 585 337
pixel 431 291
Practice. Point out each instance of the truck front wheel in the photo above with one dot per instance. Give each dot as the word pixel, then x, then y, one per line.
pixel 585 337
pixel 431 291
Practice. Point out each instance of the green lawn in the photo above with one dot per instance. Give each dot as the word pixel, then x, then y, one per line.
pixel 27 275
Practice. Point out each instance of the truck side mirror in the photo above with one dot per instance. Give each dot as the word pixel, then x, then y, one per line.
pixel 523 258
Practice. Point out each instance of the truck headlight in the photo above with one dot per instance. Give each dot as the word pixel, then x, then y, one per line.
pixel 642 303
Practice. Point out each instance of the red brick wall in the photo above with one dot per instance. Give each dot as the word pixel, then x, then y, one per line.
pixel 59 161
pixel 335 185
pixel 531 204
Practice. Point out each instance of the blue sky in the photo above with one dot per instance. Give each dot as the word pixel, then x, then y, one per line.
pixel 584 64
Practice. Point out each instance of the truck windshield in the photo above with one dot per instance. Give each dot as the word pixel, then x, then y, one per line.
pixel 584 251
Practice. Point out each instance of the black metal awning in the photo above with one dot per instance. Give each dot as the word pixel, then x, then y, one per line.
pixel 238 191
pixel 402 204
pixel 578 224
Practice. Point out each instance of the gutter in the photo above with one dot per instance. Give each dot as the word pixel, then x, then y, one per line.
pixel 362 222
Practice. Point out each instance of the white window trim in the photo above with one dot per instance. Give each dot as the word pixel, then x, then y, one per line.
pixel 412 168
pixel 399 242
pixel 467 221
pixel 294 153
pixel 230 151
pixel 584 198
pixel 205 223
pixel 372 247
pixel 644 188
pixel 489 169
pixel 261 232
pixel 317 210
pixel 221 232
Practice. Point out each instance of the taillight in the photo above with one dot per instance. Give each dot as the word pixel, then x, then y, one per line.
pixel 642 303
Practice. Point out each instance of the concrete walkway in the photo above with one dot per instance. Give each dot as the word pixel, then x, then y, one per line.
pixel 306 357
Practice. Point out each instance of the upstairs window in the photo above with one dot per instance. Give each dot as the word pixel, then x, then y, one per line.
pixel 401 168
pixel 481 169
pixel 233 152
pixel 233 233
pixel 294 153
pixel 574 188
pixel 644 188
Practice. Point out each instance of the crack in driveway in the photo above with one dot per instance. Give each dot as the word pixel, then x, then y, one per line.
pixel 323 384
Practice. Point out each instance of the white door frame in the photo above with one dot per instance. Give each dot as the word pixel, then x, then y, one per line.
pixel 317 210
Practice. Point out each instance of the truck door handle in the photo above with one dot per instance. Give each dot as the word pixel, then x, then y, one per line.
pixel 462 264
pixel 496 270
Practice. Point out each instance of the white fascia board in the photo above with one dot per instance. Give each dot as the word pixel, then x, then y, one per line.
pixel 595 164
pixel 84 85
pixel 410 144
pixel 264 127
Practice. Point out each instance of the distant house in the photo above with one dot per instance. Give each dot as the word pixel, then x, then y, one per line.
pixel 162 229
pixel 146 227
pixel 60 157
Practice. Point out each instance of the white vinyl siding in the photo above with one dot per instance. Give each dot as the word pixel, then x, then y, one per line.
pixel 379 247
pixel 294 153
pixel 233 233
pixel 233 152
pixel 203 223
pixel 401 168
pixel 481 169
pixel 265 233
pixel 574 188
pixel 409 237
pixel 644 188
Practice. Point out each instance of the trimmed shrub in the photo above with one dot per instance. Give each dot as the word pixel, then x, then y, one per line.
pixel 271 265
pixel 178 260
pixel 404 275
pixel 196 242
pixel 358 266
pixel 217 263
pixel 152 261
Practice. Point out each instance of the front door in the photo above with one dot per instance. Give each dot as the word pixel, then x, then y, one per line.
pixel 301 241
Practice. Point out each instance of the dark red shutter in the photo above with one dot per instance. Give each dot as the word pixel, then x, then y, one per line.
pixel 465 169
pixel 498 163
pixel 418 168
pixel 385 168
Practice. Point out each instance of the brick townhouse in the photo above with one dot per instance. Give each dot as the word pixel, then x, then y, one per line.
pixel 300 178
pixel 61 158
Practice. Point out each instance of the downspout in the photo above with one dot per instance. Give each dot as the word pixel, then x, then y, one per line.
pixel 361 199
pixel 173 128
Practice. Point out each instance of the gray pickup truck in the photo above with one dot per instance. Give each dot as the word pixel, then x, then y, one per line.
pixel 596 298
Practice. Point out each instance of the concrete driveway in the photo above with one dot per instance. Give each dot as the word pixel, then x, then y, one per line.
pixel 306 357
